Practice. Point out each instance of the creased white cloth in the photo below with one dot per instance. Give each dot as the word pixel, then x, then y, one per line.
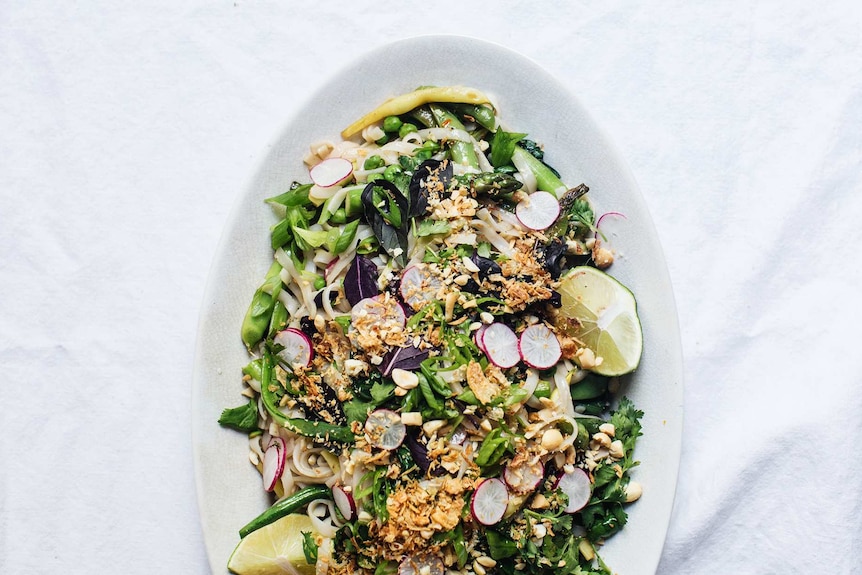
pixel 128 129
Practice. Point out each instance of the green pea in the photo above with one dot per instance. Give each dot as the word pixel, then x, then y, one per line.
pixel 373 162
pixel 319 283
pixel 405 129
pixel 391 172
pixel 373 178
pixel 391 124
pixel 382 140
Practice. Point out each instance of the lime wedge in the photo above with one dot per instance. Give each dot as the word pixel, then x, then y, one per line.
pixel 601 313
pixel 274 549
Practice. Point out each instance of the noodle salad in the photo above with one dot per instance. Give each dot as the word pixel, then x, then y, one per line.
pixel 435 353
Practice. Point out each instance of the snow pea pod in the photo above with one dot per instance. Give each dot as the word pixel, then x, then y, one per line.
pixel 257 318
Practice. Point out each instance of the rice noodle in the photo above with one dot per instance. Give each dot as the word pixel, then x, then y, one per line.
pixel 564 394
pixel 322 515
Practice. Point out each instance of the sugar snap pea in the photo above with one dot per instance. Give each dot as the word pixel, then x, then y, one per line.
pixel 462 152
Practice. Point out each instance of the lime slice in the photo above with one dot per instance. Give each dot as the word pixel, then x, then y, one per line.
pixel 274 549
pixel 602 313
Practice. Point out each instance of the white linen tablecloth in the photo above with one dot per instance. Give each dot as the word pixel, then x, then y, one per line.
pixel 127 130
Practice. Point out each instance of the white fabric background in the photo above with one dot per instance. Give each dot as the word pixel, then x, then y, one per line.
pixel 127 130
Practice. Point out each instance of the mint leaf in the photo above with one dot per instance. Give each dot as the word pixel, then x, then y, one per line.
pixel 242 418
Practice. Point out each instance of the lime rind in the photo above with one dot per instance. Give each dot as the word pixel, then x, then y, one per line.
pixel 601 312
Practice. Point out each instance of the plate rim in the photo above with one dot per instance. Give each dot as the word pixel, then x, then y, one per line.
pixel 202 426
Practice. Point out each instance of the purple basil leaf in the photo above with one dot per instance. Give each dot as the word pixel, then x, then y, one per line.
pixel 418 192
pixel 361 280
pixel 487 266
pixel 419 452
pixel 388 217
pixel 408 358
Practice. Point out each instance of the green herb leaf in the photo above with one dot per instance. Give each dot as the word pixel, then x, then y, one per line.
pixel 503 145
pixel 500 546
pixel 309 547
pixel 242 418
pixel 429 227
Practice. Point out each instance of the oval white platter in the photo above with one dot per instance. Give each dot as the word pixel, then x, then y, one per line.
pixel 530 100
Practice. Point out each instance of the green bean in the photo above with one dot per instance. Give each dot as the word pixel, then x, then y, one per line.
pixel 287 506
pixel 259 314
pixel 424 116
pixel 462 152
pixel 481 114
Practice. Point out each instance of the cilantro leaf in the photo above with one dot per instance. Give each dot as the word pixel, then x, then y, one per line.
pixel 429 227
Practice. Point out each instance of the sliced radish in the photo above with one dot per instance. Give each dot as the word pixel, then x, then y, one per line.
pixel 538 211
pixel 604 216
pixel 501 345
pixel 576 485
pixel 384 429
pixel 424 564
pixel 477 338
pixel 330 172
pixel 345 502
pixel 419 286
pixel 297 346
pixel 329 268
pixel 525 477
pixel 382 307
pixel 273 463
pixel 539 347
pixel 489 501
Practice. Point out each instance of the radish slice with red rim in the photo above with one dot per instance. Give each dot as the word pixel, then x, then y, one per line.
pixel 501 345
pixel 330 172
pixel 538 211
pixel 297 346
pixel 384 429
pixel 577 487
pixel 477 338
pixel 422 564
pixel 489 501
pixel 525 477
pixel 419 286
pixel 273 463
pixel 603 217
pixel 539 347
pixel 345 502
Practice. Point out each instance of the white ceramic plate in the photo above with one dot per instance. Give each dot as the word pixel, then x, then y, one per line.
pixel 529 100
